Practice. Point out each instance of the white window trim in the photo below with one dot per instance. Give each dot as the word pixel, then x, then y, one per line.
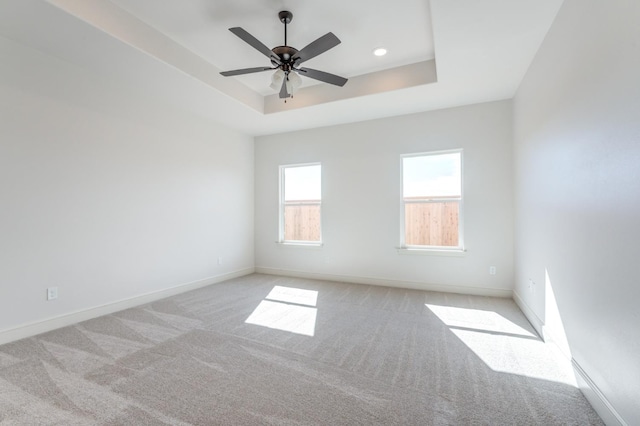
pixel 437 251
pixel 458 250
pixel 300 243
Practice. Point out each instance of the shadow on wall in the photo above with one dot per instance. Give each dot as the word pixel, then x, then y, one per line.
pixel 553 328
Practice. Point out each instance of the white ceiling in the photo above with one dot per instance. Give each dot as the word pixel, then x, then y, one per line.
pixel 202 27
pixel 479 49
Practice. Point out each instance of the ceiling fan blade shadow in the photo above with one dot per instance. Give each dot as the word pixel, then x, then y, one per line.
pixel 245 71
pixel 323 76
pixel 255 43
pixel 283 90
pixel 313 49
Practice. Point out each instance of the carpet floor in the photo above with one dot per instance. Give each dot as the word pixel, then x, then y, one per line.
pixel 285 351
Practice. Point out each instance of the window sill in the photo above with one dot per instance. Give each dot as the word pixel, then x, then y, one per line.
pixel 299 244
pixel 431 251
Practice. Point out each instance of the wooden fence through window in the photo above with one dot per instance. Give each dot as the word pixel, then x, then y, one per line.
pixel 426 223
pixel 431 223
pixel 302 222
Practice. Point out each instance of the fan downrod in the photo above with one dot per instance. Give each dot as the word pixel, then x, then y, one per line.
pixel 286 52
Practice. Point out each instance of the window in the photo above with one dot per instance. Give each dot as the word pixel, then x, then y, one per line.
pixel 300 199
pixel 432 200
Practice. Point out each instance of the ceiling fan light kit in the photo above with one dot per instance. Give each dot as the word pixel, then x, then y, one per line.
pixel 276 79
pixel 286 60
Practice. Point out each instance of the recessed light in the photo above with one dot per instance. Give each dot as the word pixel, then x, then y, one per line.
pixel 380 51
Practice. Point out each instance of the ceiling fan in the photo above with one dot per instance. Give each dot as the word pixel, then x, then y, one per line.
pixel 286 60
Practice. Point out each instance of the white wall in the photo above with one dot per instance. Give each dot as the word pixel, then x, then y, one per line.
pixel 361 196
pixel 577 169
pixel 107 194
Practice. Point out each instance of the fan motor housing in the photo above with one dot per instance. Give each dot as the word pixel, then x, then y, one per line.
pixel 285 53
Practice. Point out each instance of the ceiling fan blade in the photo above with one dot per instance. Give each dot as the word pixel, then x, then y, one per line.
pixel 323 76
pixel 245 71
pixel 255 43
pixel 283 90
pixel 313 49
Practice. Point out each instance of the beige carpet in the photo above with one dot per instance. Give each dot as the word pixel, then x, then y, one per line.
pixel 271 350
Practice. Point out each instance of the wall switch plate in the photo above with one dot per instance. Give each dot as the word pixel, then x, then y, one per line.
pixel 492 270
pixel 52 293
pixel 220 260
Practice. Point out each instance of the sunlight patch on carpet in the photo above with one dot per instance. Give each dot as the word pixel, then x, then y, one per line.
pixel 293 295
pixel 488 321
pixel 287 309
pixel 503 345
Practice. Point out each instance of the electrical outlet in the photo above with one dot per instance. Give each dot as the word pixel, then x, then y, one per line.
pixel 492 270
pixel 531 285
pixel 52 293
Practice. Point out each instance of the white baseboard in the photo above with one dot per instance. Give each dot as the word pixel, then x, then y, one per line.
pixel 39 327
pixel 596 398
pixel 589 389
pixel 476 291
pixel 535 321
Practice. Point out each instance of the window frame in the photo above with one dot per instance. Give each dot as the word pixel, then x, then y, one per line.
pixel 460 248
pixel 282 204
